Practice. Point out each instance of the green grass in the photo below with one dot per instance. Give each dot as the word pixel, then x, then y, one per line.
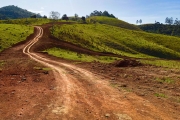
pixel 12 34
pixel 30 21
pixel 26 21
pixel 163 63
pixel 66 54
pixel 113 22
pixel 160 95
pixel 105 38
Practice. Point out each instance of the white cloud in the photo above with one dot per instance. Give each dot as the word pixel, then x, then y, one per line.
pixel 36 11
pixel 42 8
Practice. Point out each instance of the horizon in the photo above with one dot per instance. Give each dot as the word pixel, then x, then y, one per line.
pixel 130 11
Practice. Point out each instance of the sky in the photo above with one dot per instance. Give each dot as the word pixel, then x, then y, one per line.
pixel 127 10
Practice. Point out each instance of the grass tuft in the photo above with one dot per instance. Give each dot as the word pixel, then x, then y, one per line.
pixel 160 95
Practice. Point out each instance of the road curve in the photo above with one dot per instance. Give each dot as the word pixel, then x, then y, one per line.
pixel 83 95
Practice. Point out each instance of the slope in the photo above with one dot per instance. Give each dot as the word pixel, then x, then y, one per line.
pixel 112 21
pixel 105 38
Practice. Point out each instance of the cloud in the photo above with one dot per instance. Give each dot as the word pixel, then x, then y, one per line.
pixel 42 8
pixel 36 11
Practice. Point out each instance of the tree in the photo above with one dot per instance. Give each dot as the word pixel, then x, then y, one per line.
pixel 76 16
pixel 169 20
pixel 55 16
pixel 33 16
pixel 83 19
pixel 99 13
pixel 65 17
pixel 176 22
pixel 87 16
pixel 45 16
pixel 140 21
pixel 105 13
pixel 137 21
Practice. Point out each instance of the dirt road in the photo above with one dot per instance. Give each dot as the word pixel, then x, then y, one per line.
pixel 83 95
pixel 72 91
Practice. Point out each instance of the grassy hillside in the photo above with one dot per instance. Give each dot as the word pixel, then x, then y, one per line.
pixel 26 21
pixel 12 34
pixel 14 12
pixel 105 38
pixel 173 30
pixel 113 22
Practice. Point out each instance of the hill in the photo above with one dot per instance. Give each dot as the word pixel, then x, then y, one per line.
pixel 105 38
pixel 112 21
pixel 14 12
pixel 173 30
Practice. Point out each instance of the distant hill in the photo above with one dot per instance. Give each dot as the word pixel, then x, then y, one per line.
pixel 14 12
pixel 113 22
pixel 173 30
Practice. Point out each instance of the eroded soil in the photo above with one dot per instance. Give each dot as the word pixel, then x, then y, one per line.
pixel 56 89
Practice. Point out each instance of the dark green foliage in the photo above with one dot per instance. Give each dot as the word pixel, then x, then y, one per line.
pixel 65 17
pixel 14 12
pixel 45 16
pixel 99 13
pixel 173 30
pixel 33 16
pixel 83 19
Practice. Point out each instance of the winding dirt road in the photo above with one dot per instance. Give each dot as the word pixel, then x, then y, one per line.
pixel 82 95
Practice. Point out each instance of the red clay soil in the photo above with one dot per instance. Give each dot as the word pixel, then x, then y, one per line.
pixel 83 91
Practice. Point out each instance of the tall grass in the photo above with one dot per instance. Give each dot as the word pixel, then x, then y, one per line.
pixel 12 34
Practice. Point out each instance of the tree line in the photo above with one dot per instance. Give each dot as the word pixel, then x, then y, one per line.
pixel 170 21
pixel 99 13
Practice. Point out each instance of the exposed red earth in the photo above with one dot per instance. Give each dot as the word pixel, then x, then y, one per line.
pixel 36 86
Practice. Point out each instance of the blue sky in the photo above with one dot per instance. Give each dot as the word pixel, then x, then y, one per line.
pixel 127 10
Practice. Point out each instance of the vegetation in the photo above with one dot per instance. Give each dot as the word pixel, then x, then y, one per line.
pixel 70 55
pixel 14 12
pixel 105 38
pixel 173 30
pixel 26 21
pixel 112 22
pixel 163 63
pixel 13 34
pixel 99 13
pixel 160 95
